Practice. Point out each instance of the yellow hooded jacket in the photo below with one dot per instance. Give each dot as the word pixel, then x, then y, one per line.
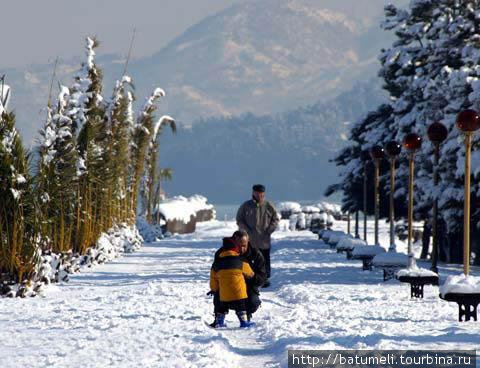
pixel 228 276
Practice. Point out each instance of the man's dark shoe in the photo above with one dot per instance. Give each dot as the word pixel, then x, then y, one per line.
pixel 249 317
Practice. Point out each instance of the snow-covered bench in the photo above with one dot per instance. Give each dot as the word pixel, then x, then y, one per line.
pixel 348 244
pixel 417 278
pixel 325 235
pixel 390 263
pixel 366 254
pixel 465 291
pixel 332 237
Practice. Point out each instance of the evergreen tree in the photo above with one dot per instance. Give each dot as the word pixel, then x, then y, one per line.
pixel 354 158
pixel 431 73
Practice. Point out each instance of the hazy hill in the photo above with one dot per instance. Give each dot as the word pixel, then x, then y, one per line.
pixel 238 83
pixel 289 152
pixel 257 56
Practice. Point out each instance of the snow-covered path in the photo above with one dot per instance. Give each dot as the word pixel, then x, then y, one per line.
pixel 148 309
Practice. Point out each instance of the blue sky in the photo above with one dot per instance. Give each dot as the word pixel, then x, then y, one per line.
pixel 36 31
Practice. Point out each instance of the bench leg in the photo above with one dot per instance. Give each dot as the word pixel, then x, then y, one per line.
pixel 468 311
pixel 416 290
pixel 388 274
pixel 366 264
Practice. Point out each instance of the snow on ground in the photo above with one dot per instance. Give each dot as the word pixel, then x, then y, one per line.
pixel 148 309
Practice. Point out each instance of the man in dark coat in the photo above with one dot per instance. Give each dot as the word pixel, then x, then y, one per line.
pixel 259 219
pixel 255 259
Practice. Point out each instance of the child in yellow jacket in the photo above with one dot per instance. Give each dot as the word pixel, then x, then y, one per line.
pixel 227 276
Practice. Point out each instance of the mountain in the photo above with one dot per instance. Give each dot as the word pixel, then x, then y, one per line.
pixel 31 87
pixel 289 152
pixel 262 57
pixel 267 56
pixel 236 83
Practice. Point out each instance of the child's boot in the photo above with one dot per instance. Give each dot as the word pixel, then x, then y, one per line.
pixel 244 322
pixel 219 321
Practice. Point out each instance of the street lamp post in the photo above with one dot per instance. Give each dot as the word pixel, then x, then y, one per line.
pixel 365 156
pixel 357 235
pixel 393 149
pixel 412 142
pixel 468 121
pixel 348 222
pixel 377 153
pixel 437 133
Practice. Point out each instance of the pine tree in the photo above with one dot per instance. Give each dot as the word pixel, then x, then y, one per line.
pixel 354 158
pixel 431 73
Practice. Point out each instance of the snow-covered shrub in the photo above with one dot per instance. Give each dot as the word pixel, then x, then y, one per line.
pixel 293 219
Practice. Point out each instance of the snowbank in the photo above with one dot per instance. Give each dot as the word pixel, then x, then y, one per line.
pixel 54 267
pixel 150 232
pixel 461 284
pixel 367 250
pixel 348 243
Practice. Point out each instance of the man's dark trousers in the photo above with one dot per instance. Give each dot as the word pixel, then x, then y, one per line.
pixel 266 257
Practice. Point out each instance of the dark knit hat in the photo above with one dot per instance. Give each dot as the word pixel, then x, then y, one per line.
pixel 258 188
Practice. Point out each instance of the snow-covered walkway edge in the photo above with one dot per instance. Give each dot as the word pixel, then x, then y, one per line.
pixel 53 267
pixel 148 309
